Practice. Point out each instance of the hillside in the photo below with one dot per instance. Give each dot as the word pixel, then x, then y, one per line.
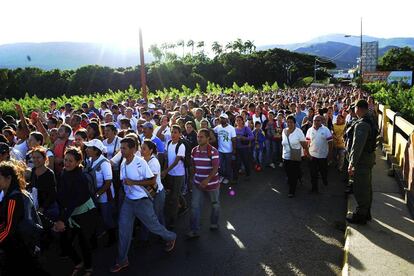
pixel 66 55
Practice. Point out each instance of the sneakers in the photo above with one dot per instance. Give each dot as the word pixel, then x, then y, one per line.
pixel 192 235
pixel 169 246
pixel 280 165
pixel 118 267
pixel 272 165
pixel 225 181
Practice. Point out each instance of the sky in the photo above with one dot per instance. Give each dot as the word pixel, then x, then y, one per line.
pixel 264 22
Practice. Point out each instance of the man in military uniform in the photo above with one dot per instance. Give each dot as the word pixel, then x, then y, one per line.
pixel 361 161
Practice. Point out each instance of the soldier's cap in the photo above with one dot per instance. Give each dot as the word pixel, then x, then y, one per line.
pixel 362 104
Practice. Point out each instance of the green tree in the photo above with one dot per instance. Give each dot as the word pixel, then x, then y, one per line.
pixel 217 48
pixel 156 52
pixel 249 46
pixel 181 43
pixel 397 59
pixel 190 44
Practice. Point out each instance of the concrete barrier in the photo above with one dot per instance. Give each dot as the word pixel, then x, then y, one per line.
pixel 398 144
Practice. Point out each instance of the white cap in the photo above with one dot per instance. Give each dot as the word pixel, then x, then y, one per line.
pixel 97 144
pixel 224 115
pixel 151 105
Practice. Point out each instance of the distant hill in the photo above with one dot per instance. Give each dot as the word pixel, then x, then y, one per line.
pixel 66 55
pixel 344 55
pixel 342 38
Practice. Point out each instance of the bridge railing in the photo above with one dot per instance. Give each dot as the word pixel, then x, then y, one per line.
pixel 398 144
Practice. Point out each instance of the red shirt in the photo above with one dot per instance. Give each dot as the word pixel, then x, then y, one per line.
pixel 203 162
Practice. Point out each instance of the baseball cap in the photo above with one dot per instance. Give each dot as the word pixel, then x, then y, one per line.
pixel 97 144
pixel 4 148
pixel 224 115
pixel 151 105
pixel 148 125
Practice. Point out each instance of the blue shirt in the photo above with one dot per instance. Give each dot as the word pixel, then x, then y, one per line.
pixel 299 118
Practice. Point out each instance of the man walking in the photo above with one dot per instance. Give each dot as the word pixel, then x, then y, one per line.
pixel 319 138
pixel 135 174
pixel 205 159
pixel 227 146
pixel 361 162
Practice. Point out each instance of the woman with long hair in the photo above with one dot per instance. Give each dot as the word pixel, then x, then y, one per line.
pixel 20 257
pixel 78 212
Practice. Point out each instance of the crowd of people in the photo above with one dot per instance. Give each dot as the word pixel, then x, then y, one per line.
pixel 88 172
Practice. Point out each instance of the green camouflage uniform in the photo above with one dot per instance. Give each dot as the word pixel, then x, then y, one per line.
pixel 362 158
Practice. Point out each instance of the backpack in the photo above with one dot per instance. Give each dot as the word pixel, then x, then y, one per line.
pixel 31 227
pixel 89 173
pixel 187 145
pixel 371 143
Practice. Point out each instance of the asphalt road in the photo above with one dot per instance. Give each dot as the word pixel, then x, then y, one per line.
pixel 262 232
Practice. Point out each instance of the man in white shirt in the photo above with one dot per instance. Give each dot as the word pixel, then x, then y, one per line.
pixel 175 173
pixel 135 175
pixel 226 135
pixel 319 138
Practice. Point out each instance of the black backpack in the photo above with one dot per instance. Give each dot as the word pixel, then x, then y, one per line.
pixel 188 149
pixel 30 228
pixel 89 175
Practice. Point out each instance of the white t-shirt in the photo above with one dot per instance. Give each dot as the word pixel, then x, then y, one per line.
pixel 178 170
pixel 259 118
pixel 295 138
pixel 112 147
pixel 22 148
pixel 319 139
pixel 105 173
pixel 116 160
pixel 155 167
pixel 225 134
pixel 137 170
pixel 167 134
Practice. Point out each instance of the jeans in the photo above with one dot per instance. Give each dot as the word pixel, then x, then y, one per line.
pixel 292 169
pixel 142 209
pixel 258 156
pixel 173 197
pixel 273 151
pixel 158 202
pixel 226 169
pixel 243 156
pixel 318 165
pixel 197 204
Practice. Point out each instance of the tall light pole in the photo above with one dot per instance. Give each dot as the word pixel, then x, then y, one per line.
pixel 143 77
pixel 360 57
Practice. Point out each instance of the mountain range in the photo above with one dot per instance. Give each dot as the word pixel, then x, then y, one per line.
pixel 342 49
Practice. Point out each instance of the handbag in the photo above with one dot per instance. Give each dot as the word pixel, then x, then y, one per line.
pixel 295 154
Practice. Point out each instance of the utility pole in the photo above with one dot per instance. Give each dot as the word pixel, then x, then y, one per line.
pixel 314 72
pixel 143 77
pixel 360 58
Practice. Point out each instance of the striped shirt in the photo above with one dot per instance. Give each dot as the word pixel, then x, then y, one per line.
pixel 203 162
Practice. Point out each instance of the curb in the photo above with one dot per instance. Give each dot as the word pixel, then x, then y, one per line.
pixel 345 264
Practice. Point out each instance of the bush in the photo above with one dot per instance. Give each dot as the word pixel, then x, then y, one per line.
pixel 398 97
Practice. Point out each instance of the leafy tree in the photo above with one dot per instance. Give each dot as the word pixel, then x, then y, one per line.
pixel 397 59
pixel 156 52
pixel 217 48
pixel 181 43
pixel 190 44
